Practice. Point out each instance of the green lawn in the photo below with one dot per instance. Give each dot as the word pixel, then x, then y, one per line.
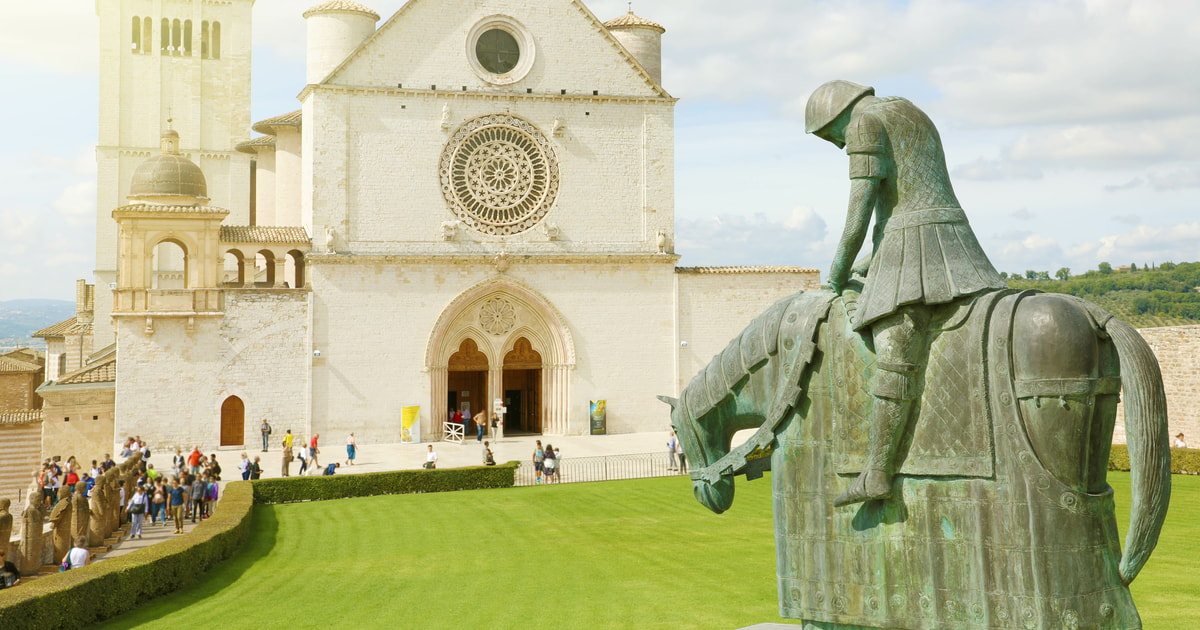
pixel 620 554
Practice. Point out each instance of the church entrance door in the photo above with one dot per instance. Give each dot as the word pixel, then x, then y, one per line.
pixel 466 380
pixel 522 386
pixel 233 422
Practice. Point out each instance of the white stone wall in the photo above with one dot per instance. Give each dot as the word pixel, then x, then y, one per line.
pixel 172 383
pixel 374 162
pixel 373 321
pixel 371 149
pixel 573 51
pixel 1177 349
pixel 715 307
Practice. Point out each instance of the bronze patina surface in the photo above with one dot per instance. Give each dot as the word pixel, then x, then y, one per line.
pixel 939 442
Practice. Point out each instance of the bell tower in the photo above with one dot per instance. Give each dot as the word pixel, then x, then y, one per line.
pixel 182 65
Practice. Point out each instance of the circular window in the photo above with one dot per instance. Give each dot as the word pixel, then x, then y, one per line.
pixel 497 51
pixel 499 174
pixel 500 50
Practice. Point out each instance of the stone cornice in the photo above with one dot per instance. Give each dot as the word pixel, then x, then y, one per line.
pixel 491 259
pixel 475 95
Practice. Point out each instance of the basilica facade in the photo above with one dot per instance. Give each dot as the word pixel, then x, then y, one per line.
pixel 472 207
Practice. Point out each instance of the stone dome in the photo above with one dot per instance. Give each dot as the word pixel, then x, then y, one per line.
pixel 168 175
pixel 341 6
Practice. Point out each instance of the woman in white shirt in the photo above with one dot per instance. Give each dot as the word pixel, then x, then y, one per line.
pixel 78 556
pixel 138 506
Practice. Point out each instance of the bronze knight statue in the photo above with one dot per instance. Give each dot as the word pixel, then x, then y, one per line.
pixel 939 443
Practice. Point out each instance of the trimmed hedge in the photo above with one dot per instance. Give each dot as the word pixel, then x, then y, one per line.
pixel 83 596
pixel 1184 461
pixel 292 489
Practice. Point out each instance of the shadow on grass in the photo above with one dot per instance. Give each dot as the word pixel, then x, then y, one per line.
pixel 264 527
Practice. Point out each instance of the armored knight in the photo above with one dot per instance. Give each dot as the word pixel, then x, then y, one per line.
pixel 923 252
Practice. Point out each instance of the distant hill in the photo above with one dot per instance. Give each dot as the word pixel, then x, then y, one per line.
pixel 1166 295
pixel 19 318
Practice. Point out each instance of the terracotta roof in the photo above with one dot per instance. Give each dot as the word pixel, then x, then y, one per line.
pixel 64 328
pixel 263 234
pixel 10 364
pixel 261 141
pixel 22 416
pixel 736 270
pixel 290 119
pixel 103 372
pixel 629 20
pixel 341 6
pixel 26 354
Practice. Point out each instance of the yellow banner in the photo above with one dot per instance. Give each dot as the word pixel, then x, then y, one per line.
pixel 408 418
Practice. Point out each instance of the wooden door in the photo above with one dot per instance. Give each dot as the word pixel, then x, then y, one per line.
pixel 233 422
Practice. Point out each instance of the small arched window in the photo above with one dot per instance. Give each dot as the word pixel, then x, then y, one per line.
pixel 187 38
pixel 294 270
pixel 135 42
pixel 165 37
pixel 176 38
pixel 216 40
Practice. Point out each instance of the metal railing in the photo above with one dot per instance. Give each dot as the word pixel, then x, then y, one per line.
pixel 602 468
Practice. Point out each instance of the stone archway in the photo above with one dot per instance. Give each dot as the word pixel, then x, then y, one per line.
pixel 522 381
pixel 496 316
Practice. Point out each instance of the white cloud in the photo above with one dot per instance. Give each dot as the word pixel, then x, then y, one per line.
pixel 1144 243
pixel 753 239
pixel 984 169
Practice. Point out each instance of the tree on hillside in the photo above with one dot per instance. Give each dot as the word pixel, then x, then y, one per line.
pixel 1104 268
pixel 1132 267
pixel 1030 274
pixel 1063 274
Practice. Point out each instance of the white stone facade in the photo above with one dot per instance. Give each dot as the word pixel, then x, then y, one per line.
pixel 483 225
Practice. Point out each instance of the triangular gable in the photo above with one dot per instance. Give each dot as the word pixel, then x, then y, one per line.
pixel 424 44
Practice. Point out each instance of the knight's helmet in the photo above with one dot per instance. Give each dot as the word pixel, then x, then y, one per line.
pixel 829 101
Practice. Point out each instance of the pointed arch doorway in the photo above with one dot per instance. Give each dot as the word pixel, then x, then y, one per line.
pixel 522 380
pixel 529 355
pixel 466 379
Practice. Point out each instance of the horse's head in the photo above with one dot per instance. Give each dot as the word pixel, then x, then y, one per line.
pixel 699 447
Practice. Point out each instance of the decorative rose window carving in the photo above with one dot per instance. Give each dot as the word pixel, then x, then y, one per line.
pixel 499 174
pixel 497 316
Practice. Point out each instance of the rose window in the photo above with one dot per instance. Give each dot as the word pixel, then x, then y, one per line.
pixel 497 316
pixel 499 174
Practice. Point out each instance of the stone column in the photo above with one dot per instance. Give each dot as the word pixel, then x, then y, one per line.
pixel 438 393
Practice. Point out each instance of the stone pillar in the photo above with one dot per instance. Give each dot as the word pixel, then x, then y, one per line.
pixel 280 263
pixel 31 537
pixel 495 388
pixel 439 392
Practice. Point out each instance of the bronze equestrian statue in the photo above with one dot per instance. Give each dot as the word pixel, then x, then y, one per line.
pixel 939 442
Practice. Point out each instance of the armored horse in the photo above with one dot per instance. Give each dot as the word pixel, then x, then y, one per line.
pixel 1001 515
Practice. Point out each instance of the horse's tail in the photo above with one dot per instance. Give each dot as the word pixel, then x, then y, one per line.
pixel 1146 434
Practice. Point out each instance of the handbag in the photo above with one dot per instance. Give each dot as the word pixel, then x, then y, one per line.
pixel 137 508
pixel 66 564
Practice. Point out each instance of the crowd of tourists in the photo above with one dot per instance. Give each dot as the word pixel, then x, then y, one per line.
pixel 188 487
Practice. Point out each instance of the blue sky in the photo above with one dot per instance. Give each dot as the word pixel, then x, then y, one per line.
pixel 1072 129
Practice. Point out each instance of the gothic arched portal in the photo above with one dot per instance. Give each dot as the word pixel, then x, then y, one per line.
pixel 525 354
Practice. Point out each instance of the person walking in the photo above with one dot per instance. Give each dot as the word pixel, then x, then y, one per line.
pixel 672 446
pixel 682 457
pixel 550 463
pixel 287 457
pixel 351 449
pixel 137 507
pixel 302 453
pixel 177 498
pixel 255 469
pixel 539 461
pixel 244 467
pixel 314 451
pixel 266 433
pixel 480 425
